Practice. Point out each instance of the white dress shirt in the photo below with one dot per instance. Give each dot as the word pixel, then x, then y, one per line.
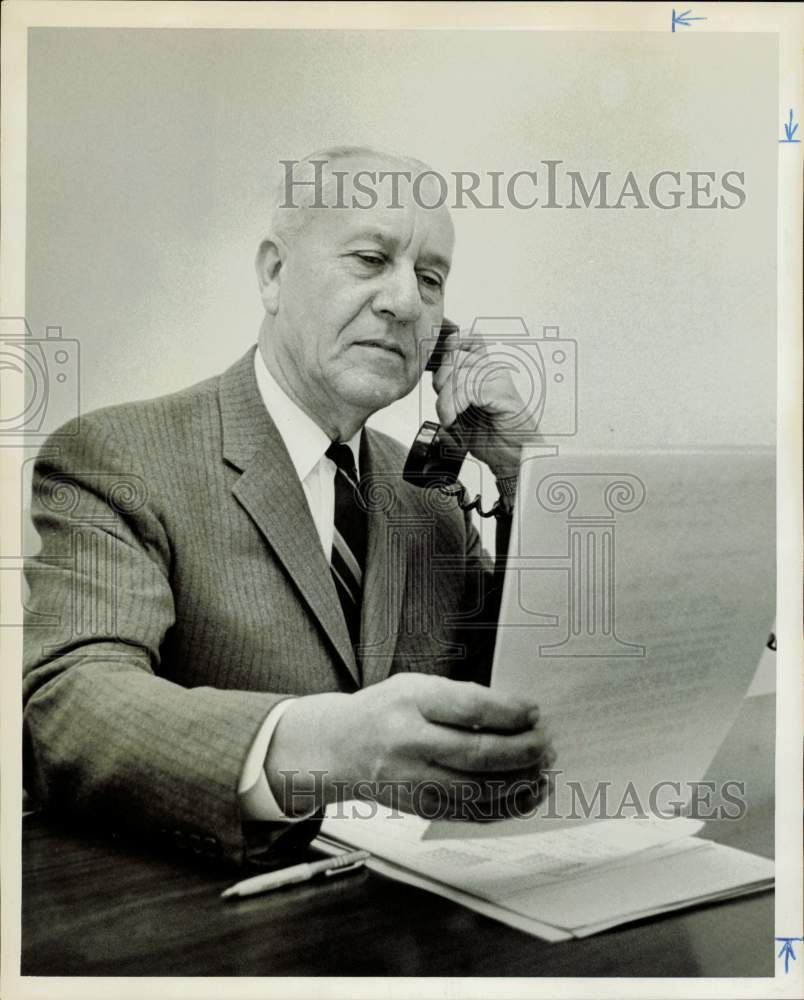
pixel 306 444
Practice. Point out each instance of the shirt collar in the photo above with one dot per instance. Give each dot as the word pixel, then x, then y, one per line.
pixel 305 441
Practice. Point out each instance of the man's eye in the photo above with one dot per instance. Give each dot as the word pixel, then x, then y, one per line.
pixel 431 280
pixel 374 259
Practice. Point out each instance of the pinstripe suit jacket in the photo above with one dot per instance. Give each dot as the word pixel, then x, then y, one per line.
pixel 181 591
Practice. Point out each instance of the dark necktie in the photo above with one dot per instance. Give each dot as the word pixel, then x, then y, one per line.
pixel 349 538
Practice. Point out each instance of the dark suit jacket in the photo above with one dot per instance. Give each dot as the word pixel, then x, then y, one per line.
pixel 181 591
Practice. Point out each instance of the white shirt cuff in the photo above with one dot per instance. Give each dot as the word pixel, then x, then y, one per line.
pixel 257 802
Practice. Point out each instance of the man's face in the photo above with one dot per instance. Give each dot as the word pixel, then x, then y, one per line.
pixel 356 292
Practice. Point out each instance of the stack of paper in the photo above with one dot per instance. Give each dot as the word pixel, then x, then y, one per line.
pixel 559 884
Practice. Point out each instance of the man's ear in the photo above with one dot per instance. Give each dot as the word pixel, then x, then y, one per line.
pixel 270 258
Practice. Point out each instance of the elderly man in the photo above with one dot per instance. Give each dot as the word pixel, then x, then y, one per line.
pixel 232 621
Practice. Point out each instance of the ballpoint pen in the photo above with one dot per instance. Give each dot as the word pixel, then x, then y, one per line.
pixel 296 873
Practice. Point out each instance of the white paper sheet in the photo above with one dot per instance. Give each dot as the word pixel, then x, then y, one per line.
pixel 659 572
pixel 683 873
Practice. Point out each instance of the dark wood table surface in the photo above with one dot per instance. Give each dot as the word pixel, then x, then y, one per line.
pixel 95 907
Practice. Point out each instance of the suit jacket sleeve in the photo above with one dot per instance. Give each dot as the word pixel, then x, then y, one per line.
pixel 104 735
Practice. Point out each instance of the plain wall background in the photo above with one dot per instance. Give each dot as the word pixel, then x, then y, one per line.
pixel 151 155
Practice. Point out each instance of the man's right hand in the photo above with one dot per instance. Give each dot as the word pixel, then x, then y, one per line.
pixel 419 742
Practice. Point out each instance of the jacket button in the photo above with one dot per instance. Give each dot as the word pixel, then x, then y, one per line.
pixel 179 840
pixel 195 843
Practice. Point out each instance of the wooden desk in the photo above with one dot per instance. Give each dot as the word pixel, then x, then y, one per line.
pixel 93 907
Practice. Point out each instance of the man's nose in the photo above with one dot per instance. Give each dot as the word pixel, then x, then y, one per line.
pixel 399 298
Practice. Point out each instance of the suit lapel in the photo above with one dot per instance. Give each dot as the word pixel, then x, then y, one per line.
pixel 270 491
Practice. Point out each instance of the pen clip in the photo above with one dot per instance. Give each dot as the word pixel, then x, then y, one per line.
pixel 347 868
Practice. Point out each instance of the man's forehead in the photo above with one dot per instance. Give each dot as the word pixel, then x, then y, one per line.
pixel 428 231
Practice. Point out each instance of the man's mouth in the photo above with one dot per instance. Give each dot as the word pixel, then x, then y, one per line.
pixel 383 345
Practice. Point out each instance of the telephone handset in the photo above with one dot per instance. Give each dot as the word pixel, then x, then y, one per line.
pixel 437 454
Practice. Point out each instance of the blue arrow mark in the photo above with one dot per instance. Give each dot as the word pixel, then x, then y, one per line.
pixel 684 19
pixel 787 952
pixel 790 129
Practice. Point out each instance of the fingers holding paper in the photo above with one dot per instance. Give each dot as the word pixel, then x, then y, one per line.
pixel 426 745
